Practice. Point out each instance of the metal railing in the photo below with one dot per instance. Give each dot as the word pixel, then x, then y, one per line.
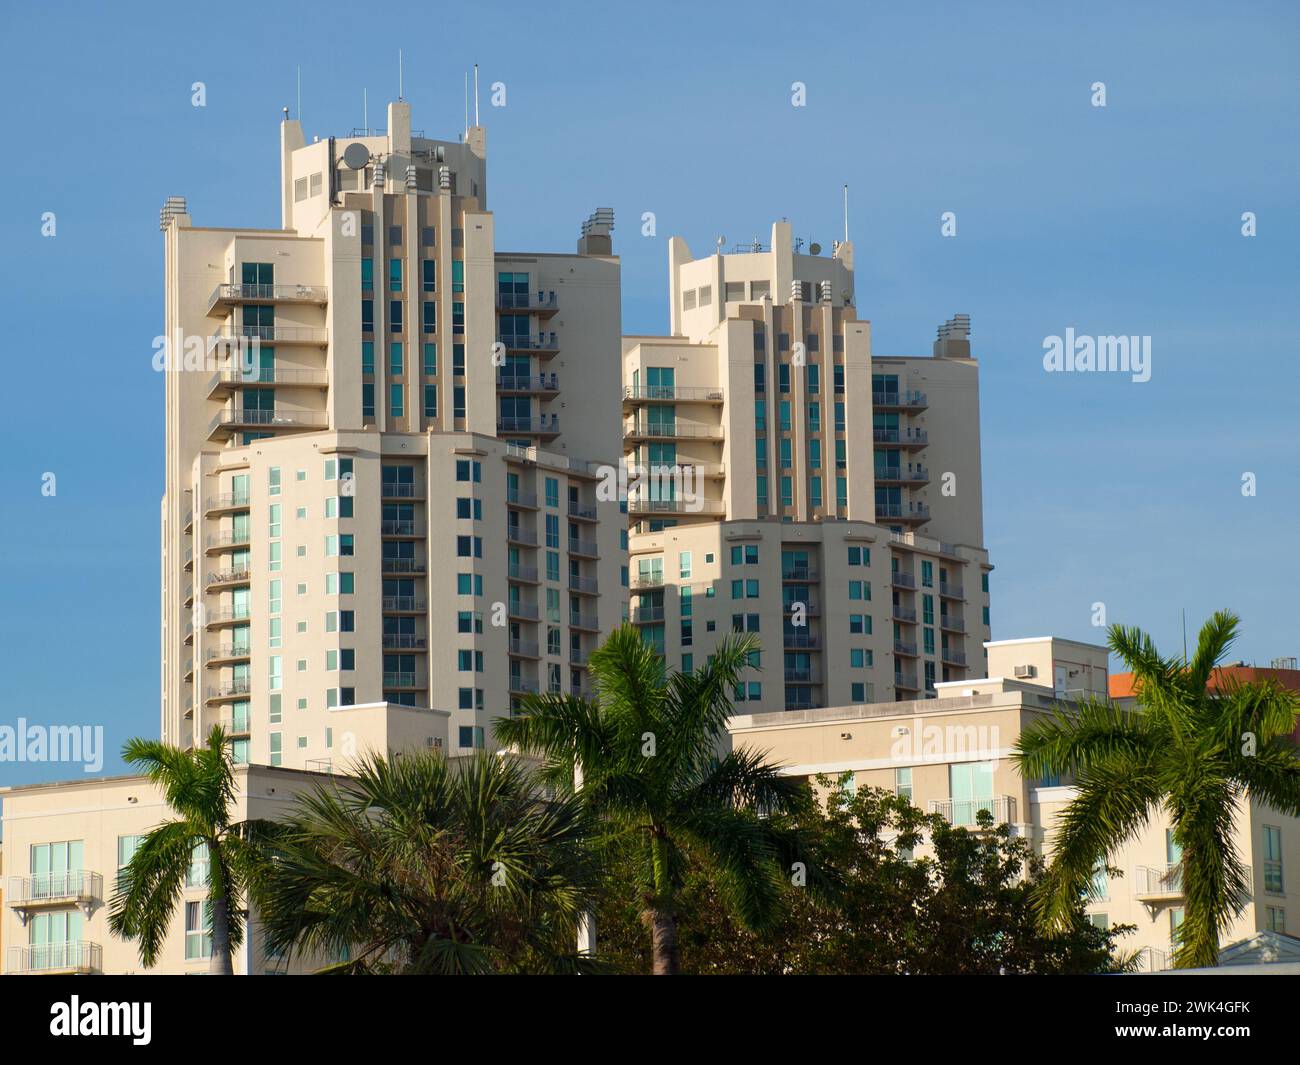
pixel 397 527
pixel 231 688
pixel 582 511
pixel 586 585
pixel 285 334
pixel 401 490
pixel 546 423
pixel 1166 880
pixel 399 680
pixel 901 647
pixel 916 474
pixel 402 641
pixel 268 375
pixel 230 576
pixel 673 428
pixel 583 621
pixel 646 614
pixel 582 547
pixel 952 624
pixel 81 956
pixel 902 580
pixel 966 811
pixel 524 648
pixel 908 398
pixel 546 382
pixel 541 342
pixel 528 301
pixel 803 676
pixel 527 574
pixel 71 885
pixel 402 565
pixel 407 603
pixel 229 500
pixel 906 680
pixel 637 503
pixel 518 609
pixel 279 417
pixel 519 534
pixel 900 436
pixel 916 511
pixel 951 591
pixel 905 614
pixel 799 574
pixel 673 393
pixel 268 293
pixel 956 658
pixel 518 498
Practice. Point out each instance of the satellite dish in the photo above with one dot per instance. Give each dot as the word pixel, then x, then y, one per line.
pixel 815 249
pixel 356 155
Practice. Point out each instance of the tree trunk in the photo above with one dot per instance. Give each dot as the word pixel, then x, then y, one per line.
pixel 663 941
pixel 221 964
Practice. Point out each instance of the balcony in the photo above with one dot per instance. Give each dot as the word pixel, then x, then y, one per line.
pixel 522 611
pixel 546 426
pixel 902 512
pixel 226 296
pixel 523 648
pixel 225 616
pixel 227 541
pixel 544 345
pixel 951 624
pixel 408 681
pixel 82 956
pixel 546 385
pixel 906 681
pixel 401 490
pixel 586 622
pixel 908 650
pixel 519 686
pixel 904 614
pixel 401 527
pixel 401 565
pixel 638 504
pixel 669 429
pixel 224 578
pixel 224 382
pixel 518 498
pixel 404 641
pixel 906 400
pixel 902 580
pixel 905 438
pixel 227 501
pixel 227 422
pixel 273 334
pixel 583 585
pixel 966 811
pixel 951 591
pixel 542 304
pixel 229 653
pixel 523 574
pixel 803 676
pixel 231 689
pixel 671 394
pixel 647 615
pixel 234 720
pixel 578 657
pixel 1158 883
pixel 404 604
pixel 799 575
pixel 582 511
pixel 74 886
pixel 805 640
pixel 953 658
pixel 647 580
pixel 810 608
pixel 916 475
pixel 583 548
pixel 517 534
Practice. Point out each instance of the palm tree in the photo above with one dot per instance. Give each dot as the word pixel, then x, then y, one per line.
pixel 1190 751
pixel 647 755
pixel 414 865
pixel 199 786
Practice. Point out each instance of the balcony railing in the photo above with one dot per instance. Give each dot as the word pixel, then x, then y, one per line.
pixel 400 680
pixel 644 615
pixel 224 615
pixel 528 302
pixel 397 527
pixel 81 956
pixel 903 511
pixel 904 614
pixel 906 680
pixel 801 639
pixel 545 425
pixel 1160 881
pixel 228 501
pixel 952 624
pixel 902 647
pixel 275 334
pixel 401 490
pixel 673 393
pixel 523 648
pixel 402 565
pixel 235 721
pixel 648 580
pixel 799 575
pixel 527 611
pixel 803 676
pixel 903 437
pixel 279 418
pixel 586 548
pixel 587 622
pixel 951 591
pixel 582 511
pixel 268 294
pixel 402 641
pixel 529 384
pixel 898 475
pixel 953 658
pixel 519 535
pixel 583 585
pixel 46 889
pixel 230 689
pixel 286 376
pixel 230 576
pixel 404 604
pixel 966 811
pixel 638 504
pixel 910 399
pixel 519 686
pixel 672 429
pixel 527 574
pixel 230 651
pixel 516 497
pixel 541 344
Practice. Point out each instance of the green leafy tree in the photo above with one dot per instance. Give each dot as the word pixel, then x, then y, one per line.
pixel 967 907
pixel 1190 749
pixel 647 752
pixel 199 787
pixel 414 865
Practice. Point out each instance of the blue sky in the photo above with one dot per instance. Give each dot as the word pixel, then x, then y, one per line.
pixel 1115 220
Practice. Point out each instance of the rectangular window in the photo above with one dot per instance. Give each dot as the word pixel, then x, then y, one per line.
pixel 1273 883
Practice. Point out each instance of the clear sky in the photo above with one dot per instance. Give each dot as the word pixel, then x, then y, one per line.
pixel 1117 220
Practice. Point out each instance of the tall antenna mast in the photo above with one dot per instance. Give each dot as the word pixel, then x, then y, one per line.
pixel 846 214
pixel 365 111
pixel 467 104
pixel 399 74
pixel 476 94
pixel 300 93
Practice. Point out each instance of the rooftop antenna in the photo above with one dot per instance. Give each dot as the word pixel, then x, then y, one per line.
pixel 467 105
pixel 846 214
pixel 399 74
pixel 476 94
pixel 365 111
pixel 1184 635
pixel 300 93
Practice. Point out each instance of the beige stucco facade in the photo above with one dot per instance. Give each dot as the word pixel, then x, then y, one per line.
pixel 823 497
pixel 383 444
pixel 951 755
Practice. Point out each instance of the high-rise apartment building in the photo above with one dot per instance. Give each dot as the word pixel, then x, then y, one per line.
pixel 383 436
pixel 786 481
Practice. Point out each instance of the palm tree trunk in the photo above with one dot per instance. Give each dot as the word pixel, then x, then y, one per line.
pixel 221 963
pixel 665 958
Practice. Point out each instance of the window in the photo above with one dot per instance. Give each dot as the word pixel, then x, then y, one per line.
pixel 1276 919
pixel 1273 860
pixel 395 275
pixel 198 930
pixel 859 556
pixel 428 274
pixel 903 783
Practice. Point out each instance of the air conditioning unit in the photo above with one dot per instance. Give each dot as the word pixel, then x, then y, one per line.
pixel 1024 672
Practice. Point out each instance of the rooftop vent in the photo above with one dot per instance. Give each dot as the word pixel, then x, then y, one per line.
pixel 596 230
pixel 172 206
